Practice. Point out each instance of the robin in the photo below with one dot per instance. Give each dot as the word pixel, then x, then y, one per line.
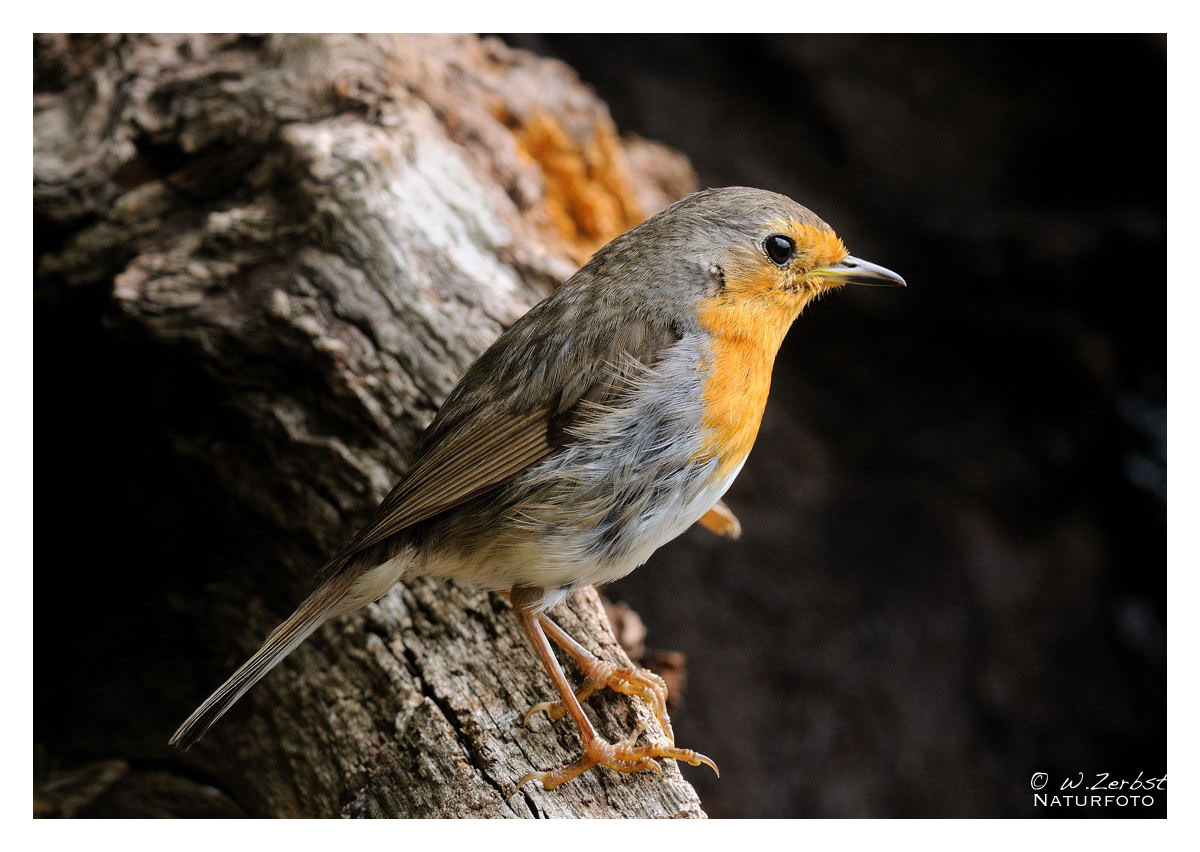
pixel 601 425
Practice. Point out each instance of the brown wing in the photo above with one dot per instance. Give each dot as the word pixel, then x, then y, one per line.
pixel 459 469
pixel 509 411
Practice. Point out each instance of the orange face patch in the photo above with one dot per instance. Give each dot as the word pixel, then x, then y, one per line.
pixel 748 320
pixel 821 247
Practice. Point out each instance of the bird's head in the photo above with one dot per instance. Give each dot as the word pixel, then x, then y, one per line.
pixel 771 257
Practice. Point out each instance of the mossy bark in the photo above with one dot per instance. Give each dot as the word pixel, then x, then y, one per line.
pixel 303 242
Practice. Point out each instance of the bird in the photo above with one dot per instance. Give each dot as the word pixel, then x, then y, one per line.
pixel 602 424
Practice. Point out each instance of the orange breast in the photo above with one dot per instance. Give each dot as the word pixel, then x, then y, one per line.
pixel 735 396
pixel 746 334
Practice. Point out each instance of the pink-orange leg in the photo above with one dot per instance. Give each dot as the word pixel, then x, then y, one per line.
pixel 721 520
pixel 598 675
pixel 624 756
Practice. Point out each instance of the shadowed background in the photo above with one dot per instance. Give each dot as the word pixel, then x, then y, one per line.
pixel 952 573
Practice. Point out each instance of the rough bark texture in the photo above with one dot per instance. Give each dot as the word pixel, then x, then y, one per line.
pixel 295 246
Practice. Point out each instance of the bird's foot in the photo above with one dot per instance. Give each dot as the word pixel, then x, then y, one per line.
pixel 625 756
pixel 598 674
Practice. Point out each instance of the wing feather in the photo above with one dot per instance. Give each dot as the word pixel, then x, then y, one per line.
pixel 506 415
pixel 463 467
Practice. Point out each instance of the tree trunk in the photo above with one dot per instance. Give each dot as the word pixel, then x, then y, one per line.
pixel 301 243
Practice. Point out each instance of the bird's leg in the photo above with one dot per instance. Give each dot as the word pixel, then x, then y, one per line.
pixel 642 683
pixel 624 756
pixel 721 520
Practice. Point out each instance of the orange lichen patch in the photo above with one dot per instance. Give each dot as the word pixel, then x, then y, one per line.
pixel 589 198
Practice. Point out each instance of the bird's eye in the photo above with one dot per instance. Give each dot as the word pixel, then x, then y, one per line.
pixel 779 248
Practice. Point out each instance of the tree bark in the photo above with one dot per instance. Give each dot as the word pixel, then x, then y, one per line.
pixel 305 241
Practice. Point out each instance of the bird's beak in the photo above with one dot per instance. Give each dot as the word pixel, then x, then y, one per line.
pixel 853 270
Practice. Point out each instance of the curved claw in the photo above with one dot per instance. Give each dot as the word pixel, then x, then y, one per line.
pixel 553 708
pixel 625 756
pixel 638 683
pixel 662 751
pixel 534 776
pixel 648 765
pixel 707 761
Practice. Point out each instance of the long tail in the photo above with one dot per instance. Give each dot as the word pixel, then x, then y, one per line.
pixel 310 615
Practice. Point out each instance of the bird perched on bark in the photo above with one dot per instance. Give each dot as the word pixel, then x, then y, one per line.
pixel 601 425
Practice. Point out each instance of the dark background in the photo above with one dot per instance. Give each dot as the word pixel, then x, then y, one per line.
pixel 953 568
pixel 953 572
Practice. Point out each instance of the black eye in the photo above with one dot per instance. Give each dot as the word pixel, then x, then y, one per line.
pixel 779 248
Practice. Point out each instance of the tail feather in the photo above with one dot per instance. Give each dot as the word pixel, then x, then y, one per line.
pixel 310 615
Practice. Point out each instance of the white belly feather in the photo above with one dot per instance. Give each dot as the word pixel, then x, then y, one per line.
pixel 672 520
